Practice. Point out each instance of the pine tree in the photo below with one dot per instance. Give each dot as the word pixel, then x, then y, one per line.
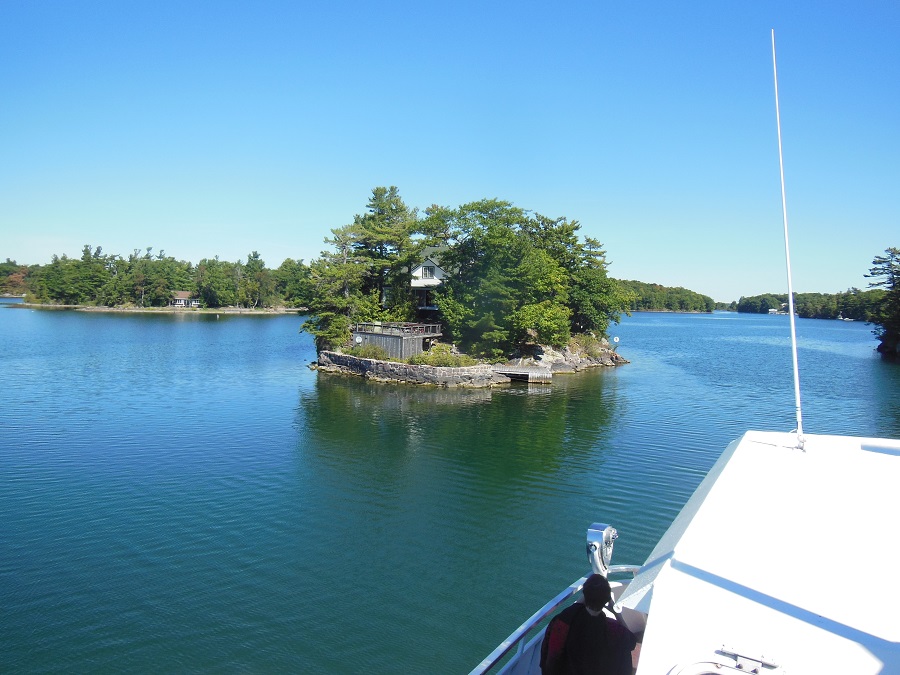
pixel 886 269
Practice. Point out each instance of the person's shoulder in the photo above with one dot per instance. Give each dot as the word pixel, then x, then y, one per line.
pixel 571 611
pixel 619 632
pixel 569 614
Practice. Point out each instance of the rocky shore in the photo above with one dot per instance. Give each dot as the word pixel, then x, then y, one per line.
pixel 569 360
pixel 482 375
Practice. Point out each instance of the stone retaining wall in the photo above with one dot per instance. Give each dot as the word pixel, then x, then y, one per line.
pixel 389 371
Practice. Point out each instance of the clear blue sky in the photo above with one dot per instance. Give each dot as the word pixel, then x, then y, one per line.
pixel 218 128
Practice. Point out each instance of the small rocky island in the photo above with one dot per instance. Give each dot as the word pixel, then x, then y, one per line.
pixel 392 343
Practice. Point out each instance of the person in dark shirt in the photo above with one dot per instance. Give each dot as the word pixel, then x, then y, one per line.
pixel 582 640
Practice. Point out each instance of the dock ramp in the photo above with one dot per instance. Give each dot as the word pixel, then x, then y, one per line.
pixel 541 374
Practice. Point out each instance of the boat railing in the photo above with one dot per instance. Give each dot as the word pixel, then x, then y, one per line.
pixel 517 638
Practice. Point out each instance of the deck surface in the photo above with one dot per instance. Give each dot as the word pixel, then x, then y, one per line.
pixel 761 561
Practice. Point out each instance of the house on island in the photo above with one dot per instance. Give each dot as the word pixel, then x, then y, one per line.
pixel 404 339
pixel 426 276
pixel 183 299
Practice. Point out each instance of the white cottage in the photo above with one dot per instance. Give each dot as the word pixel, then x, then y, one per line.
pixel 183 299
pixel 426 276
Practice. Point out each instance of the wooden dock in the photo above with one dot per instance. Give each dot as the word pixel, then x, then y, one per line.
pixel 529 374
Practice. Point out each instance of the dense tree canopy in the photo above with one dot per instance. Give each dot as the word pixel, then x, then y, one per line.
pixel 852 304
pixel 760 304
pixel 513 277
pixel 518 277
pixel 147 280
pixel 653 297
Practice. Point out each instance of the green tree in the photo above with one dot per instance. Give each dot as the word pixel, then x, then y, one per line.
pixel 859 305
pixel 518 277
pixel 115 290
pixel 367 275
pixel 91 274
pixel 385 236
pixel 154 278
pixel 12 278
pixel 544 322
pixel 57 282
pixel 512 277
pixel 760 304
pixel 337 278
pixel 886 316
pixel 292 283
pixel 256 285
pixel 816 305
pixel 478 299
pixel 213 282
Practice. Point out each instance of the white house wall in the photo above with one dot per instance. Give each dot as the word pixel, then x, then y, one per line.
pixel 419 282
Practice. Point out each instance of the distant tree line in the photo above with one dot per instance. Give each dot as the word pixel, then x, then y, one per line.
pixel 653 297
pixel 880 305
pixel 852 304
pixel 147 280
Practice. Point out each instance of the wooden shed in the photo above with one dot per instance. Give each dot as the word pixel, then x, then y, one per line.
pixel 399 340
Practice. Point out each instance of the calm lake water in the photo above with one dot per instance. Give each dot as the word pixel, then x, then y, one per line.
pixel 182 494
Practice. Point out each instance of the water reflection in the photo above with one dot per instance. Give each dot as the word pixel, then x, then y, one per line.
pixel 510 431
pixel 884 394
pixel 478 486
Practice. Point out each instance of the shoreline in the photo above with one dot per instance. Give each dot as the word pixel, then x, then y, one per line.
pixel 165 310
pixel 238 310
pixel 479 376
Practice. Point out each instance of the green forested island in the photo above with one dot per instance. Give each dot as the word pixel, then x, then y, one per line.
pixel 653 297
pixel 507 277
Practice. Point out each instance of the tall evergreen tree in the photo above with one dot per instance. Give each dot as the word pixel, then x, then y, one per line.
pixel 337 278
pixel 886 270
pixel 367 275
pixel 384 235
pixel 257 285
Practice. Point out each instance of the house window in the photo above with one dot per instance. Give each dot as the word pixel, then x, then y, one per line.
pixel 428 271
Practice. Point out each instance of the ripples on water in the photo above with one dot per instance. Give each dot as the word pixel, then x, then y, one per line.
pixel 184 494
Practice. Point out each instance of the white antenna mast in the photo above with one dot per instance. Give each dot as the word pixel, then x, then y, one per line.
pixel 787 253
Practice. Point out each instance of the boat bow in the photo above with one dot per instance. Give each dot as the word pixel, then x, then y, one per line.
pixel 754 570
